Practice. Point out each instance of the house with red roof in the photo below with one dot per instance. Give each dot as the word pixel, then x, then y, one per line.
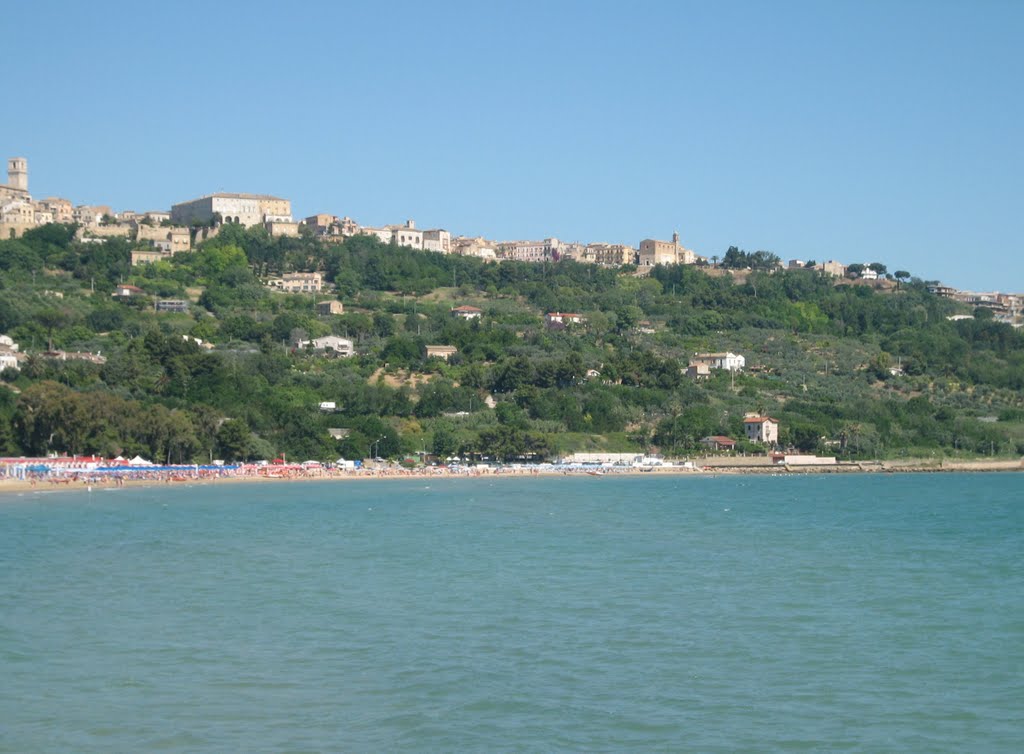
pixel 762 429
pixel 467 312
pixel 563 318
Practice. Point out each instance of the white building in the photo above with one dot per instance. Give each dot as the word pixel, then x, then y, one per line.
pixel 8 353
pixel 299 282
pixel 467 312
pixel 332 344
pixel 531 251
pixel 731 362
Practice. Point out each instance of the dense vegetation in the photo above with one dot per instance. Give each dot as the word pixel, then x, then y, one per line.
pixel 819 356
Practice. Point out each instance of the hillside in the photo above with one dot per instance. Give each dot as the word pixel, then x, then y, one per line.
pixel 847 370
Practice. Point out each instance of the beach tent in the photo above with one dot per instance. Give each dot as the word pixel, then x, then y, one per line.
pixel 139 461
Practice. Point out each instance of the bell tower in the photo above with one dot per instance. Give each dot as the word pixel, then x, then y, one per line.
pixel 17 173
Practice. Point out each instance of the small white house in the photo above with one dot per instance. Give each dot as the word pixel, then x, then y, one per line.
pixel 332 344
pixel 328 406
pixel 467 312
pixel 9 360
pixel 729 361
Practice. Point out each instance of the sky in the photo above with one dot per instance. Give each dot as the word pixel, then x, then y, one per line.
pixel 857 131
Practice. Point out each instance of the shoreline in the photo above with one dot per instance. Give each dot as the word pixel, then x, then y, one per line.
pixel 20 487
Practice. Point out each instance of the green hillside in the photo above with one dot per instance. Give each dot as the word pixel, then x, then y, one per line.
pixel 820 357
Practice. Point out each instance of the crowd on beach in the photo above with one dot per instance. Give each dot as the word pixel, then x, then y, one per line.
pixel 22 476
pixel 38 476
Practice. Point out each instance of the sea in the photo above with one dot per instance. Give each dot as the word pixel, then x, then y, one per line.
pixel 804 613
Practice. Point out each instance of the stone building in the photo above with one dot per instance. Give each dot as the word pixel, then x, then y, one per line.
pixel 16 188
pixel 240 209
pixel 653 252
pixel 610 254
pixel 330 307
pixel 438 240
pixel 300 282
pixel 531 251
pixel 168 240
pixel 61 210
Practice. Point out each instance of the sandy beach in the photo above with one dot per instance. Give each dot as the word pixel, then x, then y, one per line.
pixel 20 487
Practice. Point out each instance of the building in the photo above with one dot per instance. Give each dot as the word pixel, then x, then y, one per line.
pixel 90 215
pixel 61 210
pixel 609 254
pixel 168 240
pixel 18 212
pixel 718 442
pixel 9 356
pixel 16 188
pixel 563 318
pixel 146 256
pixel 172 305
pixel 547 250
pixel 831 268
pixel 400 235
pixel 576 252
pixel 438 240
pixel 324 226
pixel 762 429
pixel 92 358
pixel 332 344
pixel 653 252
pixel 330 307
pixel 156 217
pixel 944 291
pixel 279 228
pixel 698 371
pixel 729 361
pixel 467 312
pixel 300 282
pixel 127 291
pixel 240 209
pixel 478 247
pixel 441 352
pixel 9 360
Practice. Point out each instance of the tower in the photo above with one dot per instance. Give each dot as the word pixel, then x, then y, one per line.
pixel 17 173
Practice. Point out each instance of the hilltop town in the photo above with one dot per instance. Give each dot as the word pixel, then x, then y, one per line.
pixel 225 328
pixel 158 234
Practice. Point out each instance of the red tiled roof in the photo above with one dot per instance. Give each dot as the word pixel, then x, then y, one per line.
pixel 721 440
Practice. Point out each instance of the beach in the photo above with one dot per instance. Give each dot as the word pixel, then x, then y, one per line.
pixel 86 482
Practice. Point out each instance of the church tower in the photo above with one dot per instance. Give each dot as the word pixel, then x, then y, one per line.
pixel 17 173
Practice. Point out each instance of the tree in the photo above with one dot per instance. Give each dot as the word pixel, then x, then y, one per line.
pixel 734 259
pixel 233 440
pixel 444 443
pixel 901 276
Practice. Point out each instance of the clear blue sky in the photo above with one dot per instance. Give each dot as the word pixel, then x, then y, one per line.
pixel 857 131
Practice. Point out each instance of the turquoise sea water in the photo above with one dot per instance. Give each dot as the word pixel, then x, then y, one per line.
pixel 853 613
